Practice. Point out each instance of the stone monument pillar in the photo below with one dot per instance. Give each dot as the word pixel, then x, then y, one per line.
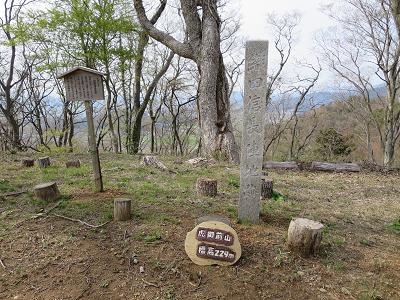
pixel 255 93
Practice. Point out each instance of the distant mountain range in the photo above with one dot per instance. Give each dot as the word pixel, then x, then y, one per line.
pixel 319 98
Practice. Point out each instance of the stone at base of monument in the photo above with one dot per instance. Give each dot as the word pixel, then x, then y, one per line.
pixel 206 187
pixel 44 162
pixel 266 188
pixel 73 164
pixel 122 209
pixel 47 191
pixel 304 236
pixel 213 243
pixel 216 218
pixel 28 162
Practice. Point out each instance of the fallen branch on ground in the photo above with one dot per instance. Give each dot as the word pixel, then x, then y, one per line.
pixel 2 264
pixel 150 283
pixel 45 213
pixel 14 193
pixel 80 221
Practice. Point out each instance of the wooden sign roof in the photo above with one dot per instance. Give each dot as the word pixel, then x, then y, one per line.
pixel 74 69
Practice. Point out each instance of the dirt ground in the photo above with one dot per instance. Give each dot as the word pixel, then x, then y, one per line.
pixel 50 257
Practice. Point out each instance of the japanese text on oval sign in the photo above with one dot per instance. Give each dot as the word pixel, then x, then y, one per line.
pixel 215 252
pixel 215 236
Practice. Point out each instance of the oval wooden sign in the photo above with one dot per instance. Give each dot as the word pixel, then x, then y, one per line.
pixel 213 243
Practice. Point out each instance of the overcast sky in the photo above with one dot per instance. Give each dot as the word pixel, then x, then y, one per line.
pixel 253 22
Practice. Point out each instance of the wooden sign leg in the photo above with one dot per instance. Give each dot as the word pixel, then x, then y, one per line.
pixel 98 180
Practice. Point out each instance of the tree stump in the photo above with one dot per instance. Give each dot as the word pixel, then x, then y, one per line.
pixel 122 209
pixel 206 187
pixel 73 164
pixel 44 162
pixel 266 188
pixel 304 236
pixel 28 162
pixel 47 191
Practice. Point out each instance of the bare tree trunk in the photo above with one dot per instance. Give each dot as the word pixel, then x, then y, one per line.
pixel 114 139
pixel 388 155
pixel 292 138
pixel 203 47
pixel 139 108
pixel 370 150
pixel 71 130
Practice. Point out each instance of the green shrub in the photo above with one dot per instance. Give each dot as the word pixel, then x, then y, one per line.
pixel 332 145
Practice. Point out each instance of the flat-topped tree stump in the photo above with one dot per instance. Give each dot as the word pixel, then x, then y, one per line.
pixel 47 191
pixel 206 187
pixel 44 162
pixel 122 209
pixel 28 162
pixel 266 187
pixel 73 164
pixel 304 236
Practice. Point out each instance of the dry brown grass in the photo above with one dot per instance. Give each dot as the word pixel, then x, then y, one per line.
pixel 51 258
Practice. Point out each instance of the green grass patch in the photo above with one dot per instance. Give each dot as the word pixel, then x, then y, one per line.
pixel 280 211
pixel 6 187
pixel 232 212
pixel 150 237
pixel 233 181
pixel 276 196
pixel 396 226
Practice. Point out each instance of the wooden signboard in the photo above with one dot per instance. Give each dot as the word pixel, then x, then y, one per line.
pixel 213 243
pixel 84 84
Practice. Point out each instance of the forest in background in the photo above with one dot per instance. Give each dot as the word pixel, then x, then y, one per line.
pixel 156 100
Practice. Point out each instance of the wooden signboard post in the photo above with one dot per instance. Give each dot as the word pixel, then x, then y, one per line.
pixel 84 84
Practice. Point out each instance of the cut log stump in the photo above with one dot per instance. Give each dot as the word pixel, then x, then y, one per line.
pixel 47 191
pixel 28 162
pixel 73 164
pixel 44 162
pixel 266 187
pixel 122 209
pixel 206 187
pixel 304 236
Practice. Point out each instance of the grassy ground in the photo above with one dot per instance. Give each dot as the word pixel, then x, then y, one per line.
pixel 53 258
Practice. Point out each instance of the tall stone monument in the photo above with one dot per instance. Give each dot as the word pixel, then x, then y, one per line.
pixel 255 94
